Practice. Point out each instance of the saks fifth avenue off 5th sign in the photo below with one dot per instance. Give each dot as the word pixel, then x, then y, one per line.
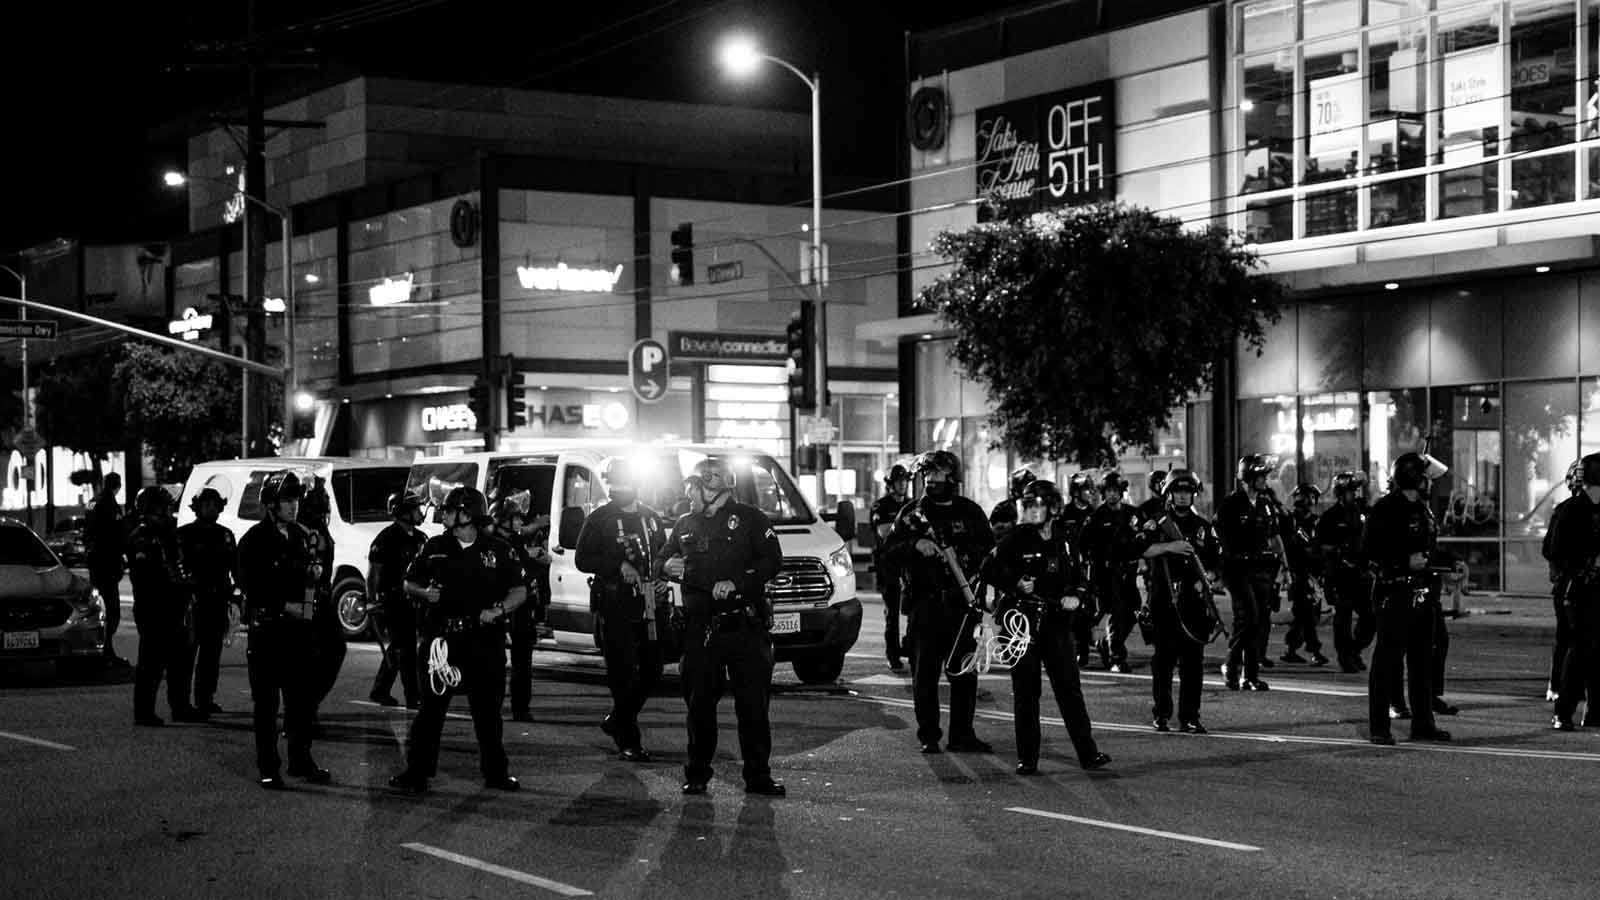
pixel 1052 150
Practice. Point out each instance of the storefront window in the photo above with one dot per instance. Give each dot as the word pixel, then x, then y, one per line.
pixel 1331 424
pixel 1267 110
pixel 1396 97
pixel 1266 23
pixel 1331 212
pixel 1471 88
pixel 1332 117
pixel 1392 10
pixel 1266 221
pixel 1267 425
pixel 1543 69
pixel 1541 420
pixel 316 304
pixel 1589 433
pixel 1324 17
pixel 1590 91
pixel 1396 422
pixel 1466 433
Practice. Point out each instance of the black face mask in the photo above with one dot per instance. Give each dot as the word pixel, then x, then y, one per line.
pixel 940 490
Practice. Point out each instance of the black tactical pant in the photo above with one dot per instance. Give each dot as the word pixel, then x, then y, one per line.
pixel 1053 651
pixel 108 582
pixel 1354 624
pixel 1306 610
pixel 1558 653
pixel 524 637
pixel 633 669
pixel 1251 588
pixel 1175 650
pixel 480 655
pixel 399 626
pixel 1119 600
pixel 330 650
pixel 889 586
pixel 163 652
pixel 279 662
pixel 1405 639
pixel 203 654
pixel 739 658
pixel 938 623
pixel 1580 670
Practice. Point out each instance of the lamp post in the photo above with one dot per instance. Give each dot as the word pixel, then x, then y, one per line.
pixel 27 402
pixel 740 57
pixel 177 179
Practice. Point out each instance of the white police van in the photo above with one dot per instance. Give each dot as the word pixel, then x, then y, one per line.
pixel 360 490
pixel 816 612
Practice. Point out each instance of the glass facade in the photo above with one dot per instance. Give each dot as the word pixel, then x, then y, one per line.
pixel 1353 116
pixel 1492 377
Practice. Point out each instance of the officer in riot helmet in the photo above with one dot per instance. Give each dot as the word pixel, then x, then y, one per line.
pixel 1106 540
pixel 1155 504
pixel 161 609
pixel 1251 526
pixel 1184 553
pixel 723 553
pixel 1346 579
pixel 1400 544
pixel 211 559
pixel 1083 498
pixel 280 574
pixel 509 523
pixel 464 583
pixel 1575 556
pixel 939 541
pixel 1040 584
pixel 1004 515
pixel 897 493
pixel 390 553
pixel 620 545
pixel 316 510
pixel 1304 564
pixel 1560 582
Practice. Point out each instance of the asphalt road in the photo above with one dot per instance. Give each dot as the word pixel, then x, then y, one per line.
pixel 1284 799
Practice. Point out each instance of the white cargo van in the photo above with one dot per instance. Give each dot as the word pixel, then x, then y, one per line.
pixel 360 489
pixel 816 613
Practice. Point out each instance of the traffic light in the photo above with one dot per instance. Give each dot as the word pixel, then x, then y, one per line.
pixel 478 402
pixel 304 419
pixel 802 363
pixel 682 272
pixel 516 403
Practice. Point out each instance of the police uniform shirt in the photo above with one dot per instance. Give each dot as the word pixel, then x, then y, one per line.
pixel 1574 536
pixel 273 564
pixel 1192 526
pixel 1340 528
pixel 1071 522
pixel 884 511
pixel 1396 529
pixel 154 563
pixel 209 556
pixel 601 551
pixel 1106 536
pixel 1174 571
pixel 736 543
pixel 393 550
pixel 1026 552
pixel 1302 547
pixel 1246 528
pixel 471 578
pixel 106 535
pixel 959 525
pixel 1153 508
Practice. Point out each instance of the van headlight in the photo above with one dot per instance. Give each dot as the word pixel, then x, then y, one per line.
pixel 840 564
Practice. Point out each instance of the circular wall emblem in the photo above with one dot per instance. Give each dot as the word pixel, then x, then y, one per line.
pixel 463 224
pixel 928 118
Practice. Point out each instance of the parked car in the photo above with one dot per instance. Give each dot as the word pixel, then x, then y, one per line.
pixel 47 612
pixel 360 489
pixel 66 541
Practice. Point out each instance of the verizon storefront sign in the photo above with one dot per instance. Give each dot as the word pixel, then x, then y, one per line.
pixel 1051 150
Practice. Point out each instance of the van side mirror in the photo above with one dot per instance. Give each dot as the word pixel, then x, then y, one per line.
pixel 844 521
pixel 571 523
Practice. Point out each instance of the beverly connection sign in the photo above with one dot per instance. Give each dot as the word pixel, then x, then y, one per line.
pixel 716 346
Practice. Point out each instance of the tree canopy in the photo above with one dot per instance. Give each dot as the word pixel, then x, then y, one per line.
pixel 184 407
pixel 1088 326
pixel 78 406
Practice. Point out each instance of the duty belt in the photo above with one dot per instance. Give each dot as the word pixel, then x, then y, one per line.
pixel 456 626
pixel 281 613
pixel 727 621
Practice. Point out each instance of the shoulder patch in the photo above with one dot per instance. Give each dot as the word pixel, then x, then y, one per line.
pixel 733 522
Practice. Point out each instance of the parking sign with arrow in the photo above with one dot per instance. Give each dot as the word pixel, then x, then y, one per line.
pixel 647 370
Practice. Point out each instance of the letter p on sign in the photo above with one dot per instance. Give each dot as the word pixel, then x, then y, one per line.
pixel 648 370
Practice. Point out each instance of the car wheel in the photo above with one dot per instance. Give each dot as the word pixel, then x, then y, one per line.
pixel 350 599
pixel 819 669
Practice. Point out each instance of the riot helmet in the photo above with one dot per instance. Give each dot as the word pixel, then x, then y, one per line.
pixel 1081 486
pixel 1020 479
pixel 1157 478
pixel 1039 502
pixel 1409 473
pixel 947 468
pixel 470 502
pixel 1307 494
pixel 1350 484
pixel 1589 470
pixel 316 506
pixel 897 475
pixel 207 495
pixel 1256 465
pixel 401 504
pixel 1180 481
pixel 617 473
pixel 153 500
pixel 1113 483
pixel 282 486
pixel 505 512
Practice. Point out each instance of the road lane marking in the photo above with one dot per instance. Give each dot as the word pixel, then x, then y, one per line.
pixel 1117 826
pixel 409 712
pixel 565 890
pixel 33 740
pixel 1268 738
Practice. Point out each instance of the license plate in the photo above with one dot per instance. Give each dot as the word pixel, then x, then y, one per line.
pixel 22 640
pixel 786 623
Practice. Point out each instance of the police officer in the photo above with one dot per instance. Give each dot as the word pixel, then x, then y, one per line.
pixel 1184 552
pixel 938 521
pixel 1346 577
pixel 1575 552
pixel 1560 581
pixel 210 560
pixel 107 538
pixel 161 610
pixel 316 508
pixel 1040 583
pixel 510 525
pixel 279 572
pixel 1107 542
pixel 1400 543
pixel 1301 549
pixel 724 553
pixel 1155 505
pixel 1084 497
pixel 388 557
pixel 620 545
pixel 463 583
pixel 1250 525
pixel 897 485
pixel 1004 515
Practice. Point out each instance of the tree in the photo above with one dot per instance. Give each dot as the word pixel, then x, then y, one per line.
pixel 77 406
pixel 1088 326
pixel 183 406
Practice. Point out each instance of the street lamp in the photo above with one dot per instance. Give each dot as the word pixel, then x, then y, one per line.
pixel 741 56
pixel 175 179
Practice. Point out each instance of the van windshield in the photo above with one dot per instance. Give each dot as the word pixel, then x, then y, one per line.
pixel 363 494
pixel 762 483
pixel 528 485
pixel 433 480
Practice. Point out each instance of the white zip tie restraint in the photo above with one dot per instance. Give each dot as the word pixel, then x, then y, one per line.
pixel 1005 644
pixel 441 675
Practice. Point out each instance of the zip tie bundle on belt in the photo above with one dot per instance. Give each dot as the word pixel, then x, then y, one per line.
pixel 1005 643
pixel 441 675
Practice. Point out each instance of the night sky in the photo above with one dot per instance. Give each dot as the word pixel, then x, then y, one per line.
pixel 83 144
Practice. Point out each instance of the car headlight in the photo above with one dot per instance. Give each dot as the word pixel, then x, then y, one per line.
pixel 839 562
pixel 88 609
